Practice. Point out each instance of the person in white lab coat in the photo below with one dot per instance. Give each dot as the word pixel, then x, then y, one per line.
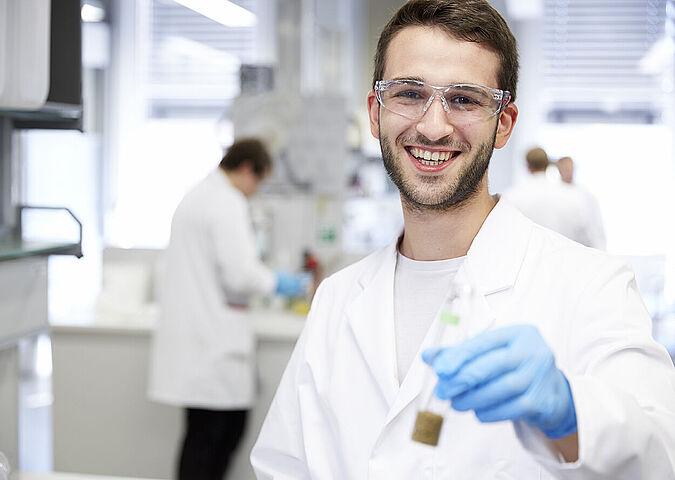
pixel 596 230
pixel 552 204
pixel 564 379
pixel 203 349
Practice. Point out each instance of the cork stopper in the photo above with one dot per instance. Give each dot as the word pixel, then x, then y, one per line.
pixel 427 428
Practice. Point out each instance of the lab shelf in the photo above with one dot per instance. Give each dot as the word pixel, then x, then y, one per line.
pixel 13 245
pixel 12 248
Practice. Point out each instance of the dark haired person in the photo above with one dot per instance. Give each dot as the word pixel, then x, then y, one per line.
pixel 558 376
pixel 203 356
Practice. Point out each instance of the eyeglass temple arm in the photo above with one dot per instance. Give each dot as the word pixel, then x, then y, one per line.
pixel 506 98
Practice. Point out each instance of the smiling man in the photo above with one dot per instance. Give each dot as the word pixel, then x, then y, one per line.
pixel 552 374
pixel 446 161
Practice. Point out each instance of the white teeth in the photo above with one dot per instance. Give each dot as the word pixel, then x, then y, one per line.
pixel 425 157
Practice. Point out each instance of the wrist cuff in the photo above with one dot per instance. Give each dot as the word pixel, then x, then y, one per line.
pixel 569 423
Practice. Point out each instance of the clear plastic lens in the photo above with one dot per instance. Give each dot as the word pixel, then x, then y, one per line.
pixel 406 94
pixel 411 99
pixel 471 98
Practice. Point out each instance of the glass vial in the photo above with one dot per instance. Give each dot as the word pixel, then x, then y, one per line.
pixel 456 308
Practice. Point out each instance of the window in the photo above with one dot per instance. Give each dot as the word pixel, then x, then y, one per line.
pixel 593 53
pixel 188 75
pixel 194 62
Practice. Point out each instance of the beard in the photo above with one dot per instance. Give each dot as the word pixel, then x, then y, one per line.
pixel 426 193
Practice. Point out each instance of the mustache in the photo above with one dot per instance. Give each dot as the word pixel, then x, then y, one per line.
pixel 445 142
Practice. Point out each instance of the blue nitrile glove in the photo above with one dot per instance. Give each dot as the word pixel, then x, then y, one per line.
pixel 292 284
pixel 506 374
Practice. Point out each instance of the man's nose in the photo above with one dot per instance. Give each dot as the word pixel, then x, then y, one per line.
pixel 435 123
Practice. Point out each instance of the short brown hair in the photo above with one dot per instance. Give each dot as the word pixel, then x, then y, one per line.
pixel 537 159
pixel 468 20
pixel 249 150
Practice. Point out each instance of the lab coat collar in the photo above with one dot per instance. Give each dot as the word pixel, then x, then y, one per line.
pixel 371 318
pixel 219 176
pixel 492 265
pixel 497 252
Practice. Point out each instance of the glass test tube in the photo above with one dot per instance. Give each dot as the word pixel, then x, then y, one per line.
pixel 455 309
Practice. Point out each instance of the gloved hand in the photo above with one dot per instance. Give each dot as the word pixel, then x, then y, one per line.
pixel 292 284
pixel 506 374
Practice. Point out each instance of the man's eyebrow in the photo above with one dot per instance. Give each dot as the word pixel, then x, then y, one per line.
pixel 408 77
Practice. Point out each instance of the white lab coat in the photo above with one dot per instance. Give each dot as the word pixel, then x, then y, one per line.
pixel 595 230
pixel 339 412
pixel 556 205
pixel 203 348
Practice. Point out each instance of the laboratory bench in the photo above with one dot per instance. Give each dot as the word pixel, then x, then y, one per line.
pixel 103 422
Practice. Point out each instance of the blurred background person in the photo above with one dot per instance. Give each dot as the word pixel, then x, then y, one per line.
pixel 551 204
pixel 596 230
pixel 203 351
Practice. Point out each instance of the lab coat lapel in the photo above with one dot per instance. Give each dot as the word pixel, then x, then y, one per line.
pixel 498 250
pixel 420 379
pixel 371 319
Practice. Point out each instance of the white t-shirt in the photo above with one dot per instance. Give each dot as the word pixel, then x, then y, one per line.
pixel 419 289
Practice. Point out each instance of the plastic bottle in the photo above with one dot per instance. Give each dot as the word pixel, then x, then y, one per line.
pixel 456 309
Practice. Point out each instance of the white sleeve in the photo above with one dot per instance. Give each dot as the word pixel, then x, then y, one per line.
pixel 596 227
pixel 240 267
pixel 623 384
pixel 280 453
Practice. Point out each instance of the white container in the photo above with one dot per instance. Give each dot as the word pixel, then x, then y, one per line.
pixel 24 53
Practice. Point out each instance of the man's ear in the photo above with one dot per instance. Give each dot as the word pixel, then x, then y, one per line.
pixel 507 120
pixel 374 114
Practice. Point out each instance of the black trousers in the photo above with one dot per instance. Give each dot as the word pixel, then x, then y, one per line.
pixel 210 438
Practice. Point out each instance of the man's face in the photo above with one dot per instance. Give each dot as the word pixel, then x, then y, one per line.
pixel 566 169
pixel 250 182
pixel 431 55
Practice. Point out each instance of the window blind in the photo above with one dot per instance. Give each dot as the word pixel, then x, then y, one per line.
pixel 194 63
pixel 592 55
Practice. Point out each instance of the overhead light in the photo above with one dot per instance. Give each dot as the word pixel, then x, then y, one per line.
pixel 92 11
pixel 221 11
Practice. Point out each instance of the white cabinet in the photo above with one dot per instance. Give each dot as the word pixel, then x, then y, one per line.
pixel 23 313
pixel 24 53
pixel 103 422
pixel 23 298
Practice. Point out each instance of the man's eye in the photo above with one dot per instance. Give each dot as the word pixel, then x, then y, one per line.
pixel 409 94
pixel 463 100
